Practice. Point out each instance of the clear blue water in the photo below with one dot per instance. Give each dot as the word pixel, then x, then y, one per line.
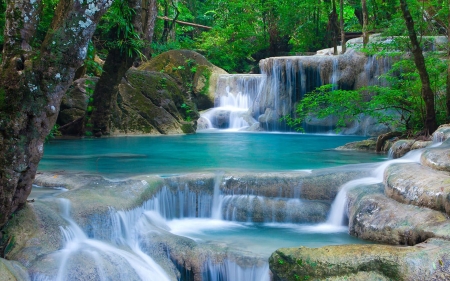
pixel 192 153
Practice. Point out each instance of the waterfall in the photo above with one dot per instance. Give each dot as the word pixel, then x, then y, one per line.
pixel 121 259
pixel 235 94
pixel 255 102
pixel 338 208
pixel 230 271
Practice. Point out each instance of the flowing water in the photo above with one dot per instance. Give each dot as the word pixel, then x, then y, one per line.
pixel 207 218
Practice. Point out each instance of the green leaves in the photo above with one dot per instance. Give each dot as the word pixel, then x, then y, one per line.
pixel 117 29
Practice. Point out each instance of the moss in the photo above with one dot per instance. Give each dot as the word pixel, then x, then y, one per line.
pixel 187 128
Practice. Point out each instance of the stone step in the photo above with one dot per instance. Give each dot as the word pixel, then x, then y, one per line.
pixel 373 216
pixel 412 183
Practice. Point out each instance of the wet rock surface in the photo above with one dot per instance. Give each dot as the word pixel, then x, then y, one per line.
pixel 375 217
pixel 426 261
pixel 411 183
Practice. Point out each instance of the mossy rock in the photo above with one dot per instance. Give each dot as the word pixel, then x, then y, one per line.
pixel 426 261
pixel 152 103
pixel 191 71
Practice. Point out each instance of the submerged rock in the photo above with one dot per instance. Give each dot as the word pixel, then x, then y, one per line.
pixel 12 271
pixel 426 261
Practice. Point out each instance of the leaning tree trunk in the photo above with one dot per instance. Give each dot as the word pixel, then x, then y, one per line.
pixel 430 124
pixel 32 85
pixel 116 65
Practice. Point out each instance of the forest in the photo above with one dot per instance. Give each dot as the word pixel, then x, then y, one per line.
pixel 48 43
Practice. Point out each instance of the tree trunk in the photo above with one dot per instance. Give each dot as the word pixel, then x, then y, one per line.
pixel 448 62
pixel 334 27
pixel 430 124
pixel 116 65
pixel 31 89
pixel 341 25
pixel 365 22
pixel 150 12
pixel 105 93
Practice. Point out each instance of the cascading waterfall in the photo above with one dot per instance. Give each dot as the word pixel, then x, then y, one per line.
pixel 258 102
pixel 123 258
pixel 234 97
pixel 337 212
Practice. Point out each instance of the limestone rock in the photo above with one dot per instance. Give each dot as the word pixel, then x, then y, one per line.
pixel 374 217
pixel 411 183
pixel 74 105
pixel 12 271
pixel 426 261
pixel 191 71
pixel 401 147
pixel 151 103
pixel 364 145
pixel 437 158
pixel 442 133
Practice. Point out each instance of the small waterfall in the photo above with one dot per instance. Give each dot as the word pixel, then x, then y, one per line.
pixel 235 94
pixel 337 212
pixel 216 211
pixel 228 270
pixel 122 259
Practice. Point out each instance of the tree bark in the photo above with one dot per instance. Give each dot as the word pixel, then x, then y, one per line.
pixel 32 85
pixel 341 25
pixel 430 124
pixel 334 27
pixel 448 63
pixel 365 22
pixel 150 12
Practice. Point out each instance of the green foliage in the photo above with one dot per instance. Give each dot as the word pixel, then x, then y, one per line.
pixel 116 27
pixel 54 132
pixel 187 112
pixel 46 17
pixel 92 67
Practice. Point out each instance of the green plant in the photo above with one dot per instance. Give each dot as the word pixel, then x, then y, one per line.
pixel 280 261
pixel 54 132
pixel 163 82
pixel 187 112
pixel 178 68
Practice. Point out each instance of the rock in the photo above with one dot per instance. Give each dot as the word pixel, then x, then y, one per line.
pixel 12 271
pixel 374 217
pixel 151 103
pixel 191 71
pixel 74 105
pixel 425 261
pixel 411 183
pixel 437 158
pixel 442 133
pixel 364 145
pixel 401 147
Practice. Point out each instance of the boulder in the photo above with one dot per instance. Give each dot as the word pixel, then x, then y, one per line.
pixel 375 217
pixel 426 261
pixel 400 148
pixel 437 158
pixel 74 105
pixel 192 73
pixel 411 183
pixel 151 103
